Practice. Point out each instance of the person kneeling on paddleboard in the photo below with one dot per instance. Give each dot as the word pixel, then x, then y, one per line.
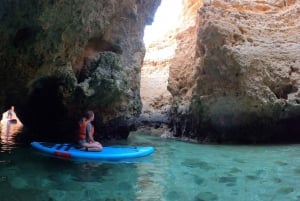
pixel 86 134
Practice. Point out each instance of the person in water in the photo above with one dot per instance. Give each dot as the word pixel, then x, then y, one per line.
pixel 11 116
pixel 86 134
pixel 11 113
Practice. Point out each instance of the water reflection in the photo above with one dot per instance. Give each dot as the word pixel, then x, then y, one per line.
pixel 10 127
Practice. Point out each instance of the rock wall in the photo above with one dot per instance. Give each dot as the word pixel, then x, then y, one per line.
pixel 235 77
pixel 162 55
pixel 154 81
pixel 62 57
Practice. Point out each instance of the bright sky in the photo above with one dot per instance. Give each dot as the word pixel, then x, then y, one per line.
pixel 165 18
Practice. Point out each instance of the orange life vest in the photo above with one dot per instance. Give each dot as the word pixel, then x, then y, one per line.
pixel 82 130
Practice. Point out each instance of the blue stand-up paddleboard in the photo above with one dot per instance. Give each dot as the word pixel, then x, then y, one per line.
pixel 68 150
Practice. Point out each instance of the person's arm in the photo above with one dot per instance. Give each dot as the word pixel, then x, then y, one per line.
pixel 90 133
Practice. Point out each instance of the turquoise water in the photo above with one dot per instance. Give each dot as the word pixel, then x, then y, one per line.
pixel 176 171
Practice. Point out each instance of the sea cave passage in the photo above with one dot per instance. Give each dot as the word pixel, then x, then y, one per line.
pixel 160 48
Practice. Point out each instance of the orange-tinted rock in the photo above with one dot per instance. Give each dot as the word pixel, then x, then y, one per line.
pixel 236 75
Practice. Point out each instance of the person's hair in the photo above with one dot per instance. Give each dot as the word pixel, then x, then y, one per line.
pixel 89 114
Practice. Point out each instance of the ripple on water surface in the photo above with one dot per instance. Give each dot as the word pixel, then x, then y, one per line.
pixel 175 171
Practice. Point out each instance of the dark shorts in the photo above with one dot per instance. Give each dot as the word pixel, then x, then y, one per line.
pixel 81 142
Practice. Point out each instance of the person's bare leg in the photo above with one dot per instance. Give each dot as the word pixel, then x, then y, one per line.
pixel 95 146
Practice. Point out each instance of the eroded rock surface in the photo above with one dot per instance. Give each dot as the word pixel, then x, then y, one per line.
pixel 59 58
pixel 236 76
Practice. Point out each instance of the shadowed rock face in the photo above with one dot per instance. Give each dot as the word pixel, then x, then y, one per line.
pixel 234 76
pixel 241 80
pixel 59 58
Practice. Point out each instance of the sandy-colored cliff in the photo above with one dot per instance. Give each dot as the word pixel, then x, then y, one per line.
pixel 235 76
pixel 231 68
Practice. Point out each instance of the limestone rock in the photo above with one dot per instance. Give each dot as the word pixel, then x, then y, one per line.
pixel 238 78
pixel 59 58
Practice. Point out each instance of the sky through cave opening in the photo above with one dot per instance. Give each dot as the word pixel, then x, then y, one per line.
pixel 160 47
pixel 165 19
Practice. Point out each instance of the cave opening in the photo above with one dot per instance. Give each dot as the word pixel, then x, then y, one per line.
pixel 165 21
pixel 160 42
